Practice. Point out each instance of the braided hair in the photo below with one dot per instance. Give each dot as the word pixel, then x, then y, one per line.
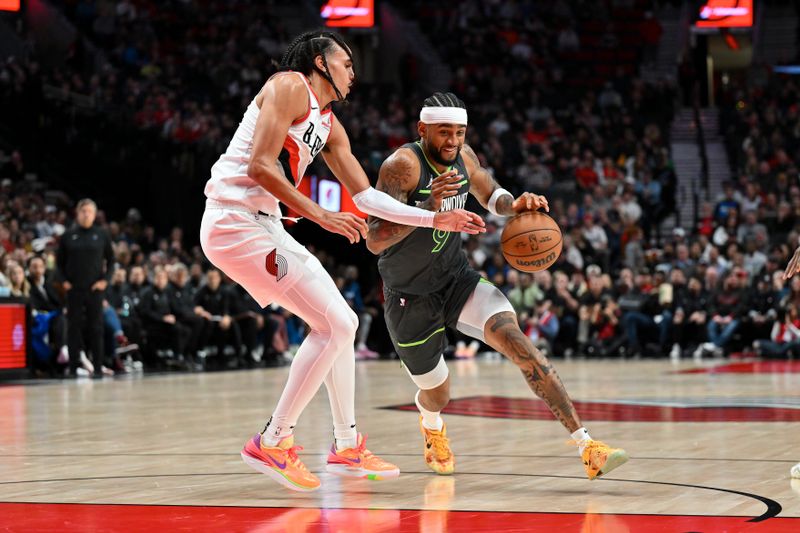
pixel 444 100
pixel 300 54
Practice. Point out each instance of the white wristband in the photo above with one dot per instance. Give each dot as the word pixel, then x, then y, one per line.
pixel 492 205
pixel 376 203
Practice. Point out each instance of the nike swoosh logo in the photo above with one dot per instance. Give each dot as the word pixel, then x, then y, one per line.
pixel 275 461
pixel 312 107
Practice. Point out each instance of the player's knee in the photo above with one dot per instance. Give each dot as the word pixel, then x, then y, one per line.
pixel 342 322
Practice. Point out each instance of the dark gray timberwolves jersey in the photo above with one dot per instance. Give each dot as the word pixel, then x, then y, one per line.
pixel 428 258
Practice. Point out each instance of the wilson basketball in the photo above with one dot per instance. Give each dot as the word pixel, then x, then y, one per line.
pixel 531 241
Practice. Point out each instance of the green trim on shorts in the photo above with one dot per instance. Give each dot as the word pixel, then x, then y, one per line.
pixel 423 341
pixel 484 280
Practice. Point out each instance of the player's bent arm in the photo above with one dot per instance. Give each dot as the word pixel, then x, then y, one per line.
pixel 284 100
pixel 344 165
pixel 484 187
pixel 397 178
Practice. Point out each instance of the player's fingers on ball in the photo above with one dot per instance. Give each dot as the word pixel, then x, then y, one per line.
pixel 544 203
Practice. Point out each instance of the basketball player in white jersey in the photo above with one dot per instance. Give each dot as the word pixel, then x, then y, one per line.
pixel 242 234
pixel 791 269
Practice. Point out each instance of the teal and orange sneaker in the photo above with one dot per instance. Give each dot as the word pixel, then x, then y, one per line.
pixel 599 458
pixel 360 462
pixel 280 462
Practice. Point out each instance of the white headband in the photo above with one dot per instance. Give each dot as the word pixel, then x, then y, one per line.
pixel 443 115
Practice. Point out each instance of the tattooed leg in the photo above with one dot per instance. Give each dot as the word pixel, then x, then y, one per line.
pixel 503 334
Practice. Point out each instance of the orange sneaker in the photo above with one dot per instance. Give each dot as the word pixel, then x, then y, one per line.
pixel 438 454
pixel 280 463
pixel 600 458
pixel 360 462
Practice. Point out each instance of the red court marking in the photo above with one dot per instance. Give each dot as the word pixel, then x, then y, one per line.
pixel 127 518
pixel 530 409
pixel 750 367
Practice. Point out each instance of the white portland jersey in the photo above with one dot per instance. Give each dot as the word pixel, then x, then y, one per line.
pixel 229 183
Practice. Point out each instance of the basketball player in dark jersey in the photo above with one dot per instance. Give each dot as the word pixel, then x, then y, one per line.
pixel 429 284
pixel 791 269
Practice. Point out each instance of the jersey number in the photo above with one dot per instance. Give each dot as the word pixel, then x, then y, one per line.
pixel 440 238
pixel 316 145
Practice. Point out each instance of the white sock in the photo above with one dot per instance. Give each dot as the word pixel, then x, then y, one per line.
pixel 430 419
pixel 274 432
pixel 581 436
pixel 345 436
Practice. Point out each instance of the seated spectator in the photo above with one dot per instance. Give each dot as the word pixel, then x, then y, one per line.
pixel 164 332
pixel 17 282
pixel 646 314
pixel 524 296
pixel 186 312
pixel 784 337
pixel 727 306
pixel 214 303
pixel 542 327
pixel 120 298
pixel 263 331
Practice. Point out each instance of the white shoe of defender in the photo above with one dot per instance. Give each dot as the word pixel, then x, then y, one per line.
pixel 796 471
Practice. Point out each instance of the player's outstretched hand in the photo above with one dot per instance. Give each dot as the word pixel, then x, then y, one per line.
pixel 528 201
pixel 346 224
pixel 443 186
pixel 459 220
pixel 794 265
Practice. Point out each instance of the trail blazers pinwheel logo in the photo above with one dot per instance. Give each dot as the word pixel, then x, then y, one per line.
pixel 276 264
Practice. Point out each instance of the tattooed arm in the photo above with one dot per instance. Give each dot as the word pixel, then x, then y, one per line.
pixel 483 185
pixel 398 178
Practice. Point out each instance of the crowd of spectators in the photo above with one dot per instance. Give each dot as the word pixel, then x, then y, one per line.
pixel 555 107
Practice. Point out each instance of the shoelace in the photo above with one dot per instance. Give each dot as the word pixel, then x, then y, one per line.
pixel 294 459
pixel 591 445
pixel 362 448
pixel 440 445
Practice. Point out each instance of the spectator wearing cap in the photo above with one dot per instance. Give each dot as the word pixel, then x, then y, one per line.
pixel 85 261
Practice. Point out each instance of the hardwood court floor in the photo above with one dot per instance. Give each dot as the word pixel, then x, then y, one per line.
pixel 710 451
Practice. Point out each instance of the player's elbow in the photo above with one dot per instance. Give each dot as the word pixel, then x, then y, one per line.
pixel 260 173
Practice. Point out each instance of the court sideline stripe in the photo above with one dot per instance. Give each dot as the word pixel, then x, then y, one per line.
pixel 773 508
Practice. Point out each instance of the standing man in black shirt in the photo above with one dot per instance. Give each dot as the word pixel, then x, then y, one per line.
pixel 85 262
